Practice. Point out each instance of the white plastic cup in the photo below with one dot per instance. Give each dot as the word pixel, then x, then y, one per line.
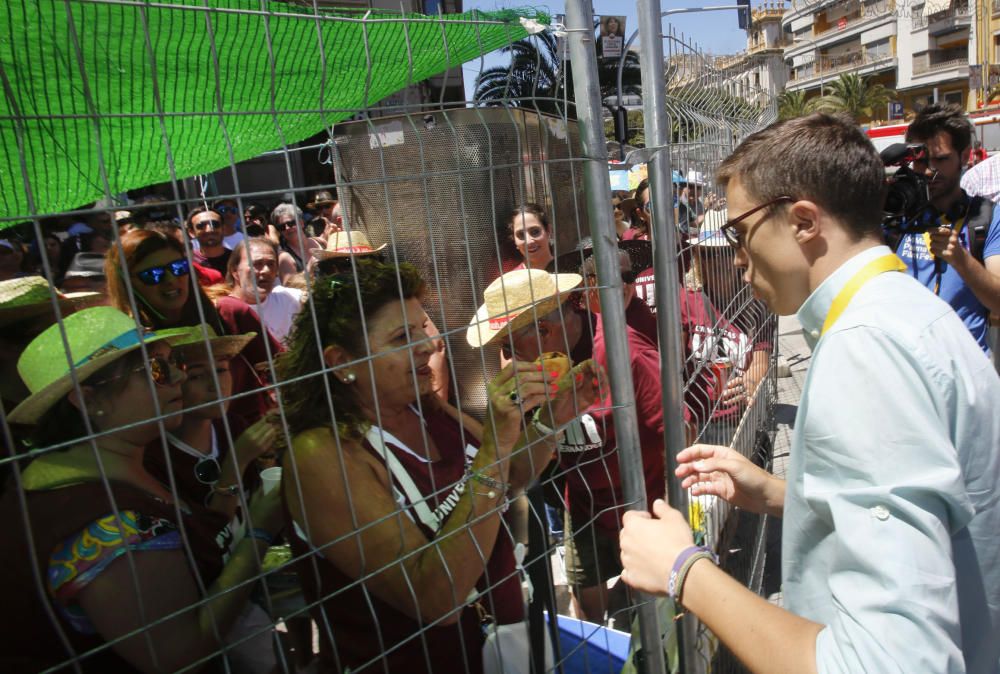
pixel 271 479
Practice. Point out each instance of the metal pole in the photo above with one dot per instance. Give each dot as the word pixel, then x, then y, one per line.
pixel 664 236
pixel 597 187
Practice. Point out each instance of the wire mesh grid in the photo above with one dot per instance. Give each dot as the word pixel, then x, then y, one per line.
pixel 425 494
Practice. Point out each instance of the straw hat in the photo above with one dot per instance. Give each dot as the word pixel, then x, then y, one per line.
pixel 710 234
pixel 97 337
pixel 191 342
pixel 321 198
pixel 639 252
pixel 31 296
pixel 515 299
pixel 345 244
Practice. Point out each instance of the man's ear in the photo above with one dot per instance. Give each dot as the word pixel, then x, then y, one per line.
pixel 804 217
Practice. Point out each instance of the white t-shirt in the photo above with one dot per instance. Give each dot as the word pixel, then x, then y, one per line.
pixel 278 310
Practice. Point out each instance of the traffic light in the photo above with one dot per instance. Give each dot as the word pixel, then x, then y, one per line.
pixel 743 13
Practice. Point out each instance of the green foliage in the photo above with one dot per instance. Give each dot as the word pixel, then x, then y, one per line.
pixel 793 104
pixel 534 79
pixel 857 96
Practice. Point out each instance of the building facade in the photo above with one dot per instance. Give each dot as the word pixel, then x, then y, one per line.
pixel 759 74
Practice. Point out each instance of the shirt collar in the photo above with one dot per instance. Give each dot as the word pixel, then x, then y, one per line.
pixel 812 313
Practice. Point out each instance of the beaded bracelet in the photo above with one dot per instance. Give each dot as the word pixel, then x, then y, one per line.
pixel 683 564
pixel 488 481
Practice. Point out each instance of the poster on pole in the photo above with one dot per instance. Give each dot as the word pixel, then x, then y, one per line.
pixel 612 36
pixel 975 77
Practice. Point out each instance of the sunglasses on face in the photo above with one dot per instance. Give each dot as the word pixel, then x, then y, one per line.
pixel 204 224
pixel 165 372
pixel 287 225
pixel 734 237
pixel 207 471
pixel 223 210
pixel 155 275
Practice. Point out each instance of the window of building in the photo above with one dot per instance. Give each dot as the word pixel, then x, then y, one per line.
pixel 878 50
pixel 953 97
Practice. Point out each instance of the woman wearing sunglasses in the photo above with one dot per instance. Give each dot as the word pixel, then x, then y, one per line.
pixel 158 272
pixel 97 547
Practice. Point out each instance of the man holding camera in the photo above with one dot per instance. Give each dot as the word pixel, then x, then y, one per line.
pixel 953 248
pixel 890 554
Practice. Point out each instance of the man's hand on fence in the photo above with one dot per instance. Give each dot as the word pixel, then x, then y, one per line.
pixel 723 472
pixel 650 543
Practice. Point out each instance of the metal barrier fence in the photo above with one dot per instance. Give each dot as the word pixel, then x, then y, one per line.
pixel 147 530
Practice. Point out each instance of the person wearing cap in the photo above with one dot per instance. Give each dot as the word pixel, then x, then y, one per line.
pixel 85 273
pixel 327 218
pixel 110 567
pixel 525 312
pixel 205 226
pixel 159 278
pixel 253 275
pixel 287 220
pixel 399 488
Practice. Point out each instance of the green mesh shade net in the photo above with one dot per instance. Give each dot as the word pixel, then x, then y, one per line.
pixel 197 85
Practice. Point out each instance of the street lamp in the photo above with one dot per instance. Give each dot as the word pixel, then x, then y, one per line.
pixel 817 58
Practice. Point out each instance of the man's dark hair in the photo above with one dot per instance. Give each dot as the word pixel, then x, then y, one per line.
pixel 941 117
pixel 823 158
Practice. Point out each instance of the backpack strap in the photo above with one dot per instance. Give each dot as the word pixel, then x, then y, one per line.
pixel 977 221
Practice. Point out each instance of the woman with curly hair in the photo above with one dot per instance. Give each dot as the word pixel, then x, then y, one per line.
pixel 396 498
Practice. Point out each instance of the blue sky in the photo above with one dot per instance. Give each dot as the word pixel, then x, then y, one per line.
pixel 715 32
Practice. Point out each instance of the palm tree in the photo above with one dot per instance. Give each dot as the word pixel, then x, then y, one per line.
pixel 857 96
pixel 793 104
pixel 534 79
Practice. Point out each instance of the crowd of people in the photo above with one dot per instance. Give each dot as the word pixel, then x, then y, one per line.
pixel 203 393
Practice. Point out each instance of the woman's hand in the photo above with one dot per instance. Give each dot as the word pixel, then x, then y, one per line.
pixel 574 392
pixel 650 544
pixel 518 389
pixel 723 472
pixel 256 440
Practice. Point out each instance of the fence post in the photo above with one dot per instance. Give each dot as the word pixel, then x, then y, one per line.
pixel 597 184
pixel 657 125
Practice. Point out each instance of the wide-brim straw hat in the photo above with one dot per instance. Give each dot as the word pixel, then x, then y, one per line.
pixel 96 337
pixel 710 234
pixel 515 300
pixel 346 244
pixel 31 296
pixel 639 252
pixel 321 198
pixel 191 342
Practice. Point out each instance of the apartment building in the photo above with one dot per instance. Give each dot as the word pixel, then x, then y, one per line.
pixel 758 74
pixel 934 43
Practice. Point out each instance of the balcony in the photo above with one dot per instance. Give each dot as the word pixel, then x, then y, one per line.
pixel 958 16
pixel 941 59
pixel 996 7
pixel 856 61
pixel 859 13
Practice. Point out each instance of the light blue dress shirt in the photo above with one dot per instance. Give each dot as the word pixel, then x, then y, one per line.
pixel 891 531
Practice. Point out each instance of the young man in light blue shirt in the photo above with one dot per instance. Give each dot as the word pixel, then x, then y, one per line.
pixel 891 553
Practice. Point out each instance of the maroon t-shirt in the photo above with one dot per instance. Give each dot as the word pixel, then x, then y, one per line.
pixel 364 627
pixel 237 319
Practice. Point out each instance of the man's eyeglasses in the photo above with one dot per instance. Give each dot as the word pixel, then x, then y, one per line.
pixel 202 225
pixel 165 372
pixel 223 210
pixel 207 471
pixel 287 225
pixel 155 275
pixel 734 237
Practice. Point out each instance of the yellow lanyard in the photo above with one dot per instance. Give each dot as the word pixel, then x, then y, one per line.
pixel 851 288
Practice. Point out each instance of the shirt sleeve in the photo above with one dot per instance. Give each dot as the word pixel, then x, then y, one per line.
pixel 881 471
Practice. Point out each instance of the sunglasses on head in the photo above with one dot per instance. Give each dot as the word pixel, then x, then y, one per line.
pixel 207 471
pixel 222 210
pixel 155 275
pixel 164 371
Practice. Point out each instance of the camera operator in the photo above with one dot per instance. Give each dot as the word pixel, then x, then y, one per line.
pixel 941 248
pixel 890 555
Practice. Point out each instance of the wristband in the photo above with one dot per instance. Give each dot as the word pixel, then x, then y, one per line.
pixel 261 535
pixel 487 481
pixel 542 429
pixel 683 564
